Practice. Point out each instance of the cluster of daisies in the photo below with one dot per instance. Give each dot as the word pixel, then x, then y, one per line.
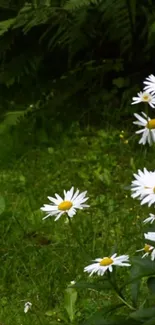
pixel 144 121
pixel 143 187
pixel 68 204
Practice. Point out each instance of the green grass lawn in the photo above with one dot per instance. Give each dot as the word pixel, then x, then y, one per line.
pixel 40 258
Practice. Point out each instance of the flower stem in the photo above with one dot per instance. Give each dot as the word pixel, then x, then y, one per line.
pixel 124 301
pixel 76 238
pixel 118 293
pixel 146 110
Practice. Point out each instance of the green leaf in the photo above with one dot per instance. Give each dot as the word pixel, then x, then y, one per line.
pixel 2 204
pixel 106 176
pixel 50 150
pixel 135 287
pixel 100 319
pixel 151 284
pixel 119 82
pixel 150 321
pixel 22 179
pixel 69 302
pixel 27 7
pixel 151 30
pixel 4 301
pixel 132 163
pixel 143 314
pixel 49 313
pixel 142 268
pixel 97 286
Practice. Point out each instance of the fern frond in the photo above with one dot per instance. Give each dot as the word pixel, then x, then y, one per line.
pixel 11 119
pixel 116 16
pixel 29 17
pixel 11 4
pixel 76 4
pixel 6 25
pixel 18 67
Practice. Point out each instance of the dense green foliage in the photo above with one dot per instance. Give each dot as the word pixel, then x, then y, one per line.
pixel 86 56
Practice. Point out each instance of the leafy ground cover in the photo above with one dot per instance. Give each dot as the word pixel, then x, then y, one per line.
pixel 40 258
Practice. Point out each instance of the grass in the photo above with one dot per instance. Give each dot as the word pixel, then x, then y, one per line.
pixel 40 258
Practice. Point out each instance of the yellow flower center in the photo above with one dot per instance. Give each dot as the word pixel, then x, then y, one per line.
pixel 146 98
pixel 147 248
pixel 106 261
pixel 65 205
pixel 151 124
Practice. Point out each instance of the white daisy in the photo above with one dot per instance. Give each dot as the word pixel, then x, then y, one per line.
pixel 149 250
pixel 148 128
pixel 151 219
pixel 106 263
pixel 150 84
pixel 145 97
pixel 143 187
pixel 68 204
pixel 27 306
pixel 150 236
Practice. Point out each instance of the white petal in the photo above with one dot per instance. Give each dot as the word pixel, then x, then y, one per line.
pixel 140 118
pixel 49 208
pixel 75 195
pixel 110 268
pixel 69 194
pixel 140 250
pixel 150 236
pixel 150 219
pixel 58 197
pixel 153 255
pixel 59 215
pixel 71 212
pixel 55 201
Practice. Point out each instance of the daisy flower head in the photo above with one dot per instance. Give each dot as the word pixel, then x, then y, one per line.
pixel 27 306
pixel 148 250
pixel 145 97
pixel 143 187
pixel 150 219
pixel 150 236
pixel 150 84
pixel 147 130
pixel 101 265
pixel 69 204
